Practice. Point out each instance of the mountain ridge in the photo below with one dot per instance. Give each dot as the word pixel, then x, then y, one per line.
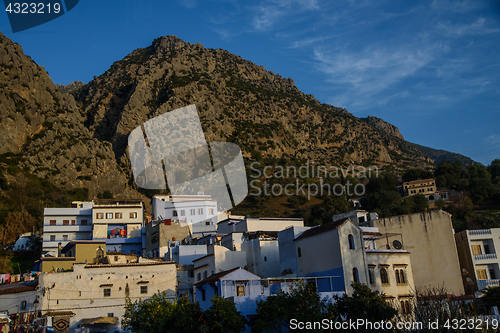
pixel 80 139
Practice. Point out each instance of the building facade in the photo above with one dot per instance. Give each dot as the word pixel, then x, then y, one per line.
pixel 62 225
pixel 94 296
pixel 429 237
pixel 119 224
pixel 478 258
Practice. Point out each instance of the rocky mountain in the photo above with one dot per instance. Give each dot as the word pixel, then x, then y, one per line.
pixel 46 128
pixel 383 126
pixel 80 139
pixel 437 155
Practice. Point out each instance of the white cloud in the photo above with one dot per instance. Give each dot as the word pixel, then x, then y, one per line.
pixel 267 14
pixel 371 70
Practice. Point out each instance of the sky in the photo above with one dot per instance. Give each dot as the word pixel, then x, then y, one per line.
pixel 431 68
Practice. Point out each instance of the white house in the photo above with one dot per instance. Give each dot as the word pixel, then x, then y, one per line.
pixel 20 299
pixel 94 296
pixel 185 208
pixel 119 223
pixel 479 262
pixel 61 225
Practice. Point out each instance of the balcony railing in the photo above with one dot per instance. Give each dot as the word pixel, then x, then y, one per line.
pixel 480 232
pixel 488 283
pixel 485 256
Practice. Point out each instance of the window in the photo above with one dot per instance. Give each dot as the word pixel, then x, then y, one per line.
pixel 205 274
pixel 200 211
pixel 144 289
pixel 52 222
pixel 116 258
pixel 199 276
pixel 299 252
pixel 73 222
pixel 118 215
pixel 405 307
pixel 265 258
pixel 23 305
pixel 99 216
pixel 65 237
pixel 476 249
pixel 351 242
pixel 133 215
pixel 52 238
pixel 203 295
pixel 492 274
pixel 109 215
pixel 174 213
pixel 402 277
pixel 481 274
pixel 192 211
pixel 240 290
pixel 383 276
pixel 211 211
pixel 397 276
pixel 84 222
pixel 355 276
pixel 191 274
pixel 371 276
pixel 65 222
pixel 486 249
pixel 207 223
pixel 111 314
pixel 107 292
pixel 183 212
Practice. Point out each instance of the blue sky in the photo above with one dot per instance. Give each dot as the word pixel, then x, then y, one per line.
pixel 432 68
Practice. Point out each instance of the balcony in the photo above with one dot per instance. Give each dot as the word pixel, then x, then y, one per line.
pixel 485 256
pixel 481 284
pixel 480 232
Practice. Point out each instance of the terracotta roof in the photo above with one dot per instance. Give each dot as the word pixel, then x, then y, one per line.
pixel 18 287
pixel 418 181
pixel 217 276
pixel 322 228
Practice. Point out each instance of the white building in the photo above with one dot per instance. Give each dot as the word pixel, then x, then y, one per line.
pixel 20 298
pixel 93 296
pixel 230 225
pixel 62 225
pixel 185 208
pixel 119 223
pixel 477 252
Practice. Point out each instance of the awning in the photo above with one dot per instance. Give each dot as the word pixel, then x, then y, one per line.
pixel 59 313
pixel 99 320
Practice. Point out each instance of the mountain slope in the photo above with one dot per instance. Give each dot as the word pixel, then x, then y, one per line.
pixel 80 140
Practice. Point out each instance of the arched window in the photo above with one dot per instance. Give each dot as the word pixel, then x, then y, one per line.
pixel 383 275
pixel 355 276
pixel 402 278
pixel 299 252
pixel 351 242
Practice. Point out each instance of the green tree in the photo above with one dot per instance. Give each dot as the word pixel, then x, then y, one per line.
pixel 365 304
pixel 303 303
pixel 161 314
pixel 223 316
pixel 491 296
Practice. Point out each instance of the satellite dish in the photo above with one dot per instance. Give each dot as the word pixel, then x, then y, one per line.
pixel 469 281
pixel 465 271
pixel 397 245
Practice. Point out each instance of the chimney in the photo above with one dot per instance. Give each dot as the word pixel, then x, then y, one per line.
pixel 59 249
